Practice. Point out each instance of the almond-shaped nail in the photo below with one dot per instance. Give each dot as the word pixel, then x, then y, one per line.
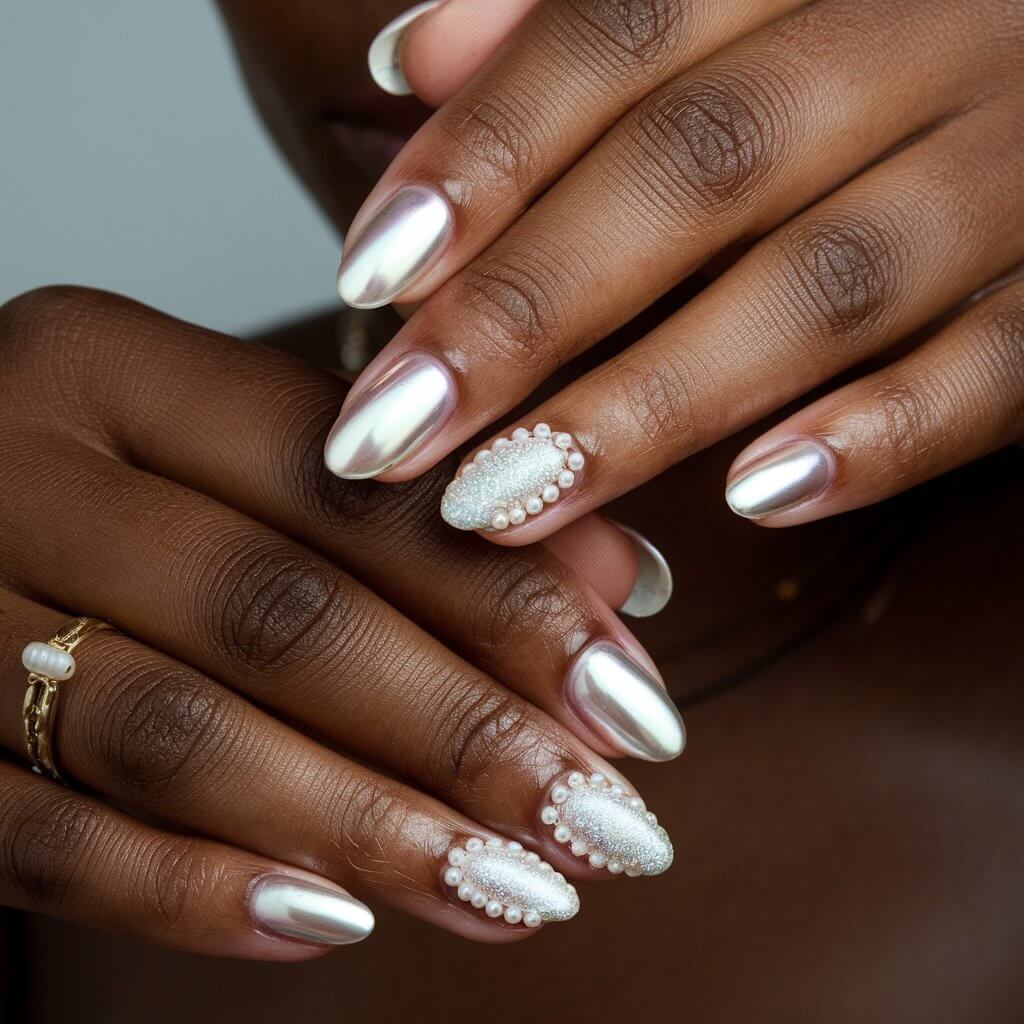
pixel 515 478
pixel 385 56
pixel 505 881
pixel 652 589
pixel 606 824
pixel 299 909
pixel 398 244
pixel 391 418
pixel 623 704
pixel 781 479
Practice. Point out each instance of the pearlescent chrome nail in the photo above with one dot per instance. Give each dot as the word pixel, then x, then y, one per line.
pixel 610 827
pixel 652 589
pixel 391 418
pixel 300 909
pixel 395 247
pixel 505 881
pixel 385 56
pixel 517 477
pixel 781 479
pixel 623 704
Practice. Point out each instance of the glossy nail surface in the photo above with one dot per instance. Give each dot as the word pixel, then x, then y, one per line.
pixel 653 587
pixel 780 480
pixel 391 418
pixel 385 56
pixel 395 247
pixel 303 910
pixel 505 881
pixel 517 477
pixel 607 825
pixel 623 704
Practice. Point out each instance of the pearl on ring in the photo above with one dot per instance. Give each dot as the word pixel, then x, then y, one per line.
pixel 47 661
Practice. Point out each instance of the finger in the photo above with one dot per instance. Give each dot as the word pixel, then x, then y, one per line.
pixel 70 856
pixel 159 737
pixel 722 153
pixel 479 162
pixel 434 48
pixel 956 398
pixel 857 273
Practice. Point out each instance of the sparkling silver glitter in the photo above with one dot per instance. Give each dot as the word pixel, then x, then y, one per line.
pixel 606 819
pixel 505 479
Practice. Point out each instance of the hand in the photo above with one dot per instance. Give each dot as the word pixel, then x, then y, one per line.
pixel 280 726
pixel 871 153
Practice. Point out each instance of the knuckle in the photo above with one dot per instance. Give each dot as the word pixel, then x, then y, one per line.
pixel 1001 349
pixel 909 413
pixel 43 842
pixel 841 274
pixel 44 324
pixel 367 825
pixel 512 308
pixel 711 140
pixel 161 730
pixel 271 609
pixel 174 881
pixel 626 35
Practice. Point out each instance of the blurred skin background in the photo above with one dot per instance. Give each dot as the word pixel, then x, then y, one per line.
pixel 849 815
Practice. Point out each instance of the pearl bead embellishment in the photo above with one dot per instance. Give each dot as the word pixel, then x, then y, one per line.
pixel 517 477
pixel 505 881
pixel 603 823
pixel 47 661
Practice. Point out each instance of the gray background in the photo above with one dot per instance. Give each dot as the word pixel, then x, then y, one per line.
pixel 131 160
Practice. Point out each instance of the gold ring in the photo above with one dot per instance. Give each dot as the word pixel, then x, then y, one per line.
pixel 49 665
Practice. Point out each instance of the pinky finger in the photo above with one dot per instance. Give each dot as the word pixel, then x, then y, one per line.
pixel 70 856
pixel 956 398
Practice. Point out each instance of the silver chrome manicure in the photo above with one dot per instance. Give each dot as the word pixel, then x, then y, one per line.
pixel 623 704
pixel 303 910
pixel 602 821
pixel 391 418
pixel 395 247
pixel 653 587
pixel 780 480
pixel 385 56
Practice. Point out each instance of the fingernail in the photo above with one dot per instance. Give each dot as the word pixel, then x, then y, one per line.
pixel 303 910
pixel 505 881
pixel 781 479
pixel 391 418
pixel 653 587
pixel 395 247
pixel 623 704
pixel 385 57
pixel 517 477
pixel 604 823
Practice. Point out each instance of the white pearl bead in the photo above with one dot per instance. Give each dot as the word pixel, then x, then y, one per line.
pixel 532 858
pixel 474 844
pixel 513 915
pixel 520 434
pixel 542 430
pixel 549 494
pixel 47 661
pixel 576 462
pixel 457 857
pixel 559 794
pixel 617 790
pixel 596 779
pixel 502 442
pixel 500 520
pixel 576 779
pixel 549 815
pixel 635 801
pixel 563 440
pixel 482 456
pixel 598 860
pixel 534 505
pixel 470 468
pixel 566 479
pixel 478 899
pixel 615 867
pixel 633 872
pixel 494 842
pixel 466 892
pixel 545 866
pixel 513 845
pixel 532 919
pixel 494 909
pixel 652 818
pixel 579 848
pixel 517 515
pixel 562 834
pixel 452 877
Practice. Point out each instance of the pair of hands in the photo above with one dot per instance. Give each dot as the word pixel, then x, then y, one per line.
pixel 863 164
